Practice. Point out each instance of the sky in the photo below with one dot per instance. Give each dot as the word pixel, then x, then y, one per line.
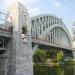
pixel 62 8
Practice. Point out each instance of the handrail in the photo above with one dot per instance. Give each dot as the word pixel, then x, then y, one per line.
pixel 4 22
pixel 4 29
pixel 46 42
pixel 4 14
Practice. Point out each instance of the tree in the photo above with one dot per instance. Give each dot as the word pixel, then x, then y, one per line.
pixel 24 29
pixel 39 55
pixel 51 53
pixel 59 56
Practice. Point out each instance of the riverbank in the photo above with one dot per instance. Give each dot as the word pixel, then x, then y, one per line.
pixel 51 63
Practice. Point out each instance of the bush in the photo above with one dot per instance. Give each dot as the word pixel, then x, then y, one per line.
pixel 39 55
pixel 24 30
pixel 59 57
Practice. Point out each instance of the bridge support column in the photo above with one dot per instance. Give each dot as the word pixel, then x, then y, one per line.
pixel 21 55
pixel 73 52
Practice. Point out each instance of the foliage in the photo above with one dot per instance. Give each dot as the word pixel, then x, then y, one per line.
pixel 42 55
pixel 48 54
pixel 51 53
pixel 59 56
pixel 69 62
pixel 24 29
pixel 39 55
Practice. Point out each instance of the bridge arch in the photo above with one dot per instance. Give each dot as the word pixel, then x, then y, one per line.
pixel 41 25
pixel 63 30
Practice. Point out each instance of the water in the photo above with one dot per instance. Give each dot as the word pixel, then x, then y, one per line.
pixel 47 70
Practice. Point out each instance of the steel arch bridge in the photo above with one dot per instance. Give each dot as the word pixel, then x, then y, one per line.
pixel 49 30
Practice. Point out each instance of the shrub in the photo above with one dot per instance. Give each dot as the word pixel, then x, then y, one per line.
pixel 59 56
pixel 39 55
pixel 24 29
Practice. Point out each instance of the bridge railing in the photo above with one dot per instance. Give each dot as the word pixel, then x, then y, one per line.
pixel 5 21
pixel 36 40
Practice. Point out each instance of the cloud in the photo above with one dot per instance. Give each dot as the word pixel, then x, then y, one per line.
pixel 25 2
pixel 57 3
pixel 30 5
pixel 0 0
pixel 34 11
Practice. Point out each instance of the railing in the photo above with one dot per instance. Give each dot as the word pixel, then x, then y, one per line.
pixel 5 21
pixel 36 40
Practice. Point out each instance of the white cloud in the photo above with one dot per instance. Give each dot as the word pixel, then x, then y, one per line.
pixel 57 3
pixel 34 11
pixel 0 0
pixel 28 1
pixel 25 2
pixel 30 5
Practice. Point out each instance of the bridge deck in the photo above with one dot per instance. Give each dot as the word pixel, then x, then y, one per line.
pixel 38 41
pixel 5 33
pixel 5 23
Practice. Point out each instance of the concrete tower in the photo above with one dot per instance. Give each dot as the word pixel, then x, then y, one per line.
pixel 21 53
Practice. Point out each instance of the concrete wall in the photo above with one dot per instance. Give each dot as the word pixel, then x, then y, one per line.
pixel 21 53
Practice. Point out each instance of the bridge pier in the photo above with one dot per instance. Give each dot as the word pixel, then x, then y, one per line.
pixel 5 59
pixel 73 52
pixel 21 52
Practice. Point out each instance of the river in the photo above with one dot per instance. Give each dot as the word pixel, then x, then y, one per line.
pixel 60 70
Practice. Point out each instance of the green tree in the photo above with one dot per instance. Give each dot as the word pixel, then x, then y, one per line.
pixel 24 29
pixel 39 55
pixel 51 53
pixel 59 56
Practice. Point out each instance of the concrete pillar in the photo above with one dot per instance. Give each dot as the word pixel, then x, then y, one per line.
pixel 73 52
pixel 21 53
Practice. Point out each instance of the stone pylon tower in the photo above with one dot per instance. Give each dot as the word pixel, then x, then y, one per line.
pixel 21 53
